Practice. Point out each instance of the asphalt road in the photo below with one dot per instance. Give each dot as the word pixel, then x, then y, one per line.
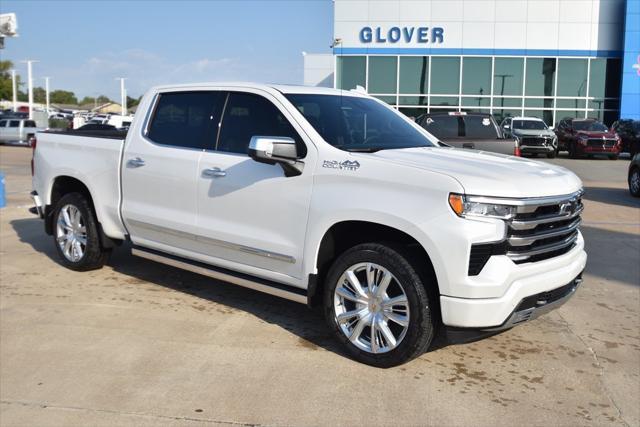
pixel 142 343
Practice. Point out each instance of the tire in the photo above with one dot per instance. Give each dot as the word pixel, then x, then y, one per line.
pixel 634 182
pixel 405 284
pixel 552 154
pixel 613 157
pixel 77 240
pixel 572 151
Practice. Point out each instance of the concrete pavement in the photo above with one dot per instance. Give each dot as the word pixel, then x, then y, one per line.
pixel 142 343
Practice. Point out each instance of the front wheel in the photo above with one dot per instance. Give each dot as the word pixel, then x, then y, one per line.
pixel 552 154
pixel 634 182
pixel 76 234
pixel 377 305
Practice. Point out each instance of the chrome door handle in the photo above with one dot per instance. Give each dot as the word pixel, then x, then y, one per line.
pixel 214 173
pixel 136 162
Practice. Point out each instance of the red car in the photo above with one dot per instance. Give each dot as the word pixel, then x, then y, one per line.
pixel 582 137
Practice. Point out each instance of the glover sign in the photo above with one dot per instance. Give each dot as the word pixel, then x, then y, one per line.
pixel 408 35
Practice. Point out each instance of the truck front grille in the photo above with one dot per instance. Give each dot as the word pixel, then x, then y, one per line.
pixel 542 228
pixel 536 141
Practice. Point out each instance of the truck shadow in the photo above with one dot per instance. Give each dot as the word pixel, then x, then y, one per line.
pixel 612 196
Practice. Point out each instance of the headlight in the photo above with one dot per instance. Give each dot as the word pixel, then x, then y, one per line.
pixel 465 206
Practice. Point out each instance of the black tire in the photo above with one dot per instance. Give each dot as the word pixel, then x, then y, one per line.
pixel 613 157
pixel 421 328
pixel 572 151
pixel 634 189
pixel 94 256
pixel 552 154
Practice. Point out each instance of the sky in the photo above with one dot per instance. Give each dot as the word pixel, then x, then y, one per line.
pixel 83 46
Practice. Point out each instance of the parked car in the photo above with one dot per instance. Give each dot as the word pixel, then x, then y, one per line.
pixel 533 135
pixel 324 197
pixel 476 131
pixel 629 133
pixel 17 130
pixel 634 175
pixel 586 137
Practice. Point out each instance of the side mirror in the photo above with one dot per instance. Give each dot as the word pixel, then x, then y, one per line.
pixel 276 150
pixel 506 127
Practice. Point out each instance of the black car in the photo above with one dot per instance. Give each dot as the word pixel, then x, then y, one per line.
pixel 629 132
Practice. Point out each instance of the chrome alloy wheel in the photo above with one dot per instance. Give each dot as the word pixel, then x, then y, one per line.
pixel 371 308
pixel 71 233
pixel 634 181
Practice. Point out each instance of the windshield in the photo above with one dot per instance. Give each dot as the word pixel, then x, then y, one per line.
pixel 446 127
pixel 590 126
pixel 357 124
pixel 529 125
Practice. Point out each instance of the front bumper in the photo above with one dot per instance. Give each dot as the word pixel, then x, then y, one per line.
pixel 537 149
pixel 530 281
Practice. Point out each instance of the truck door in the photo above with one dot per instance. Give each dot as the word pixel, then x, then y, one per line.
pixel 251 217
pixel 160 170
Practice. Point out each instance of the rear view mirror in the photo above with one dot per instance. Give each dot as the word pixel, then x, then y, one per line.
pixel 276 150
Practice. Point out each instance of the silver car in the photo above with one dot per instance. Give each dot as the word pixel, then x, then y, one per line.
pixel 17 130
pixel 533 135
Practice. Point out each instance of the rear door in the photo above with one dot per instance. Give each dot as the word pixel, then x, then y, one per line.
pixel 251 217
pixel 160 170
pixel 3 130
pixel 13 131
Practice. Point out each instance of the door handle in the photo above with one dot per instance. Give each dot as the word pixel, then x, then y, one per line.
pixel 214 173
pixel 136 162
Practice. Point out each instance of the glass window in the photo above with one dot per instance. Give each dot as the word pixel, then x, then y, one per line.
pixel 357 124
pixel 570 103
pixel 572 77
pixel 14 123
pixel 472 101
pixel 445 126
pixel 3 123
pixel 29 124
pixel 507 102
pixel 507 76
pixel 391 100
pixel 351 72
pixel 500 115
pixel 546 115
pixel 247 115
pixel 413 113
pixel 413 100
pixel 476 76
pixel 443 101
pixel 528 125
pixel 541 77
pixel 185 119
pixel 608 104
pixel 414 74
pixel 538 102
pixel 383 73
pixel 445 75
pixel 605 78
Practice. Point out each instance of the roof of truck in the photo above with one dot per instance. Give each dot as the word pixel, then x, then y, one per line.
pixel 264 86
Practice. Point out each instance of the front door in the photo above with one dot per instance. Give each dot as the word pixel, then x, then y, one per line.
pixel 251 217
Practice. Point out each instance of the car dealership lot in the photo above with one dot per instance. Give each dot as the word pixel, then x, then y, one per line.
pixel 143 343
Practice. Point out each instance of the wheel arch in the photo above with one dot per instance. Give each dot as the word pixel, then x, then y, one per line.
pixel 343 235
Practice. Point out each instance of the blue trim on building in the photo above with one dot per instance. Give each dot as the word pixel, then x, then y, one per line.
pixel 471 51
pixel 630 90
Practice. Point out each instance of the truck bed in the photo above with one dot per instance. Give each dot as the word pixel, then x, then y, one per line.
pixel 93 158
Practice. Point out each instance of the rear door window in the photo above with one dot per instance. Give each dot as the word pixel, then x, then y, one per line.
pixel 186 119
pixel 3 123
pixel 14 123
pixel 443 127
pixel 247 115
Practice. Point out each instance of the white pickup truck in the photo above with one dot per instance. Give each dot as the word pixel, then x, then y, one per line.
pixel 324 197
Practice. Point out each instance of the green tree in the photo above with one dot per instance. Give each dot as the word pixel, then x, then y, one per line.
pixel 132 102
pixel 6 88
pixel 63 97
pixel 39 95
pixel 102 99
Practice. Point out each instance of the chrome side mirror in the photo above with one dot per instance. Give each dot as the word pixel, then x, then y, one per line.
pixel 276 150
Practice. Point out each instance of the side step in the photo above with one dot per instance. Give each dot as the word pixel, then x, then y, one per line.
pixel 262 285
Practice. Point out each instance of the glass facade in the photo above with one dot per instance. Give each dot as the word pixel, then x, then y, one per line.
pixel 546 87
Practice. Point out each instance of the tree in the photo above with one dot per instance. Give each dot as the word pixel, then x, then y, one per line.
pixel 63 97
pixel 132 102
pixel 102 99
pixel 6 88
pixel 39 95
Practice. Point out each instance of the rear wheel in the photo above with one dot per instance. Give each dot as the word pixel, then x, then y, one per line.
pixel 76 234
pixel 377 305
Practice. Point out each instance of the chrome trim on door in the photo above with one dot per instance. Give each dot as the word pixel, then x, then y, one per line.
pixel 210 241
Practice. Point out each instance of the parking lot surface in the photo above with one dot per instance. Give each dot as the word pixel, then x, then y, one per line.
pixel 143 343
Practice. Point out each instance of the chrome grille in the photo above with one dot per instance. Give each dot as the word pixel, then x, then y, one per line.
pixel 544 228
pixel 599 142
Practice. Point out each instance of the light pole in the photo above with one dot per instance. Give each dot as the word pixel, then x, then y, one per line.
pixel 123 99
pixel 46 88
pixel 30 84
pixel 14 85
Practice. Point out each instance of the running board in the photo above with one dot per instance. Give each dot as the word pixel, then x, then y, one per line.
pixel 262 285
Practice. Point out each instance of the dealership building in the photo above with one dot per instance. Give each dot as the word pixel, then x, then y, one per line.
pixel 543 58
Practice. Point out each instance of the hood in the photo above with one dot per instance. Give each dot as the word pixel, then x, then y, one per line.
pixel 596 134
pixel 533 132
pixel 484 173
